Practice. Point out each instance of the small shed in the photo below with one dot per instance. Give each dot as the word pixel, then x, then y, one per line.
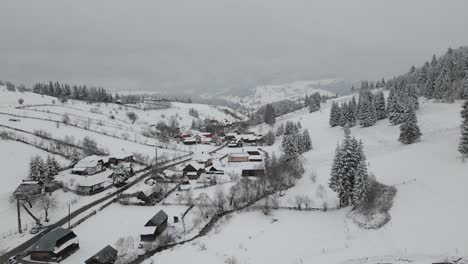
pixel 107 255
pixel 155 226
pixel 28 188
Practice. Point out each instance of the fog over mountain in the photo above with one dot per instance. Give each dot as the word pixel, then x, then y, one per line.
pixel 221 46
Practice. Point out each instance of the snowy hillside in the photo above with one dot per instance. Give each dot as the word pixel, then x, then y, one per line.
pixel 428 221
pixel 272 93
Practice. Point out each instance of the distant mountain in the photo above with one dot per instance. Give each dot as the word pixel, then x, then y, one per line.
pixel 264 94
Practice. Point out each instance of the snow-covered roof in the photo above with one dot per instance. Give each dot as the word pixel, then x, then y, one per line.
pixel 240 155
pixel 196 165
pixel 91 161
pixel 201 157
pixel 85 181
pixel 253 165
pixel 189 139
pixel 121 154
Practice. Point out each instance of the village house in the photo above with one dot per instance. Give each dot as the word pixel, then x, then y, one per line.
pixel 28 188
pixel 90 165
pixel 236 143
pixel 193 170
pixel 107 255
pixel 54 246
pixel 255 155
pixel 190 141
pixel 154 227
pixel 120 157
pixel 203 158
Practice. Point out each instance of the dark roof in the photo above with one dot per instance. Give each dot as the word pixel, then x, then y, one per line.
pixel 157 219
pixel 105 255
pixel 49 240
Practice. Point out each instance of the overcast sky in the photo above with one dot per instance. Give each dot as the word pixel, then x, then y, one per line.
pixel 201 45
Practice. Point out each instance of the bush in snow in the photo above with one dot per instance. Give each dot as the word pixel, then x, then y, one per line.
pixel 132 116
pixel 20 101
pixel 269 138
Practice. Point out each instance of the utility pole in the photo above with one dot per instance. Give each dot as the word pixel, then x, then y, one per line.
pixel 156 162
pixel 68 215
pixel 19 215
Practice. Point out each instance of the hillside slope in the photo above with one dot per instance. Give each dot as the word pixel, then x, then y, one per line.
pixel 264 94
pixel 428 220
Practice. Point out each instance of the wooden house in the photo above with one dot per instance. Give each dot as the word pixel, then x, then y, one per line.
pixel 90 165
pixel 190 141
pixel 193 170
pixel 155 226
pixel 54 246
pixel 107 255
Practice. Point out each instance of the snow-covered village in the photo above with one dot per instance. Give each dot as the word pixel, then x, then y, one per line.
pixel 127 137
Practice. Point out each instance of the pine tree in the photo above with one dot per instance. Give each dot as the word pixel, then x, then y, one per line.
pixel 443 81
pixel 270 115
pixel 344 114
pixel 35 167
pixel 465 80
pixel 380 106
pixel 463 145
pixel 409 129
pixel 362 183
pixel 306 142
pixel 351 113
pixel 334 115
pixel 290 128
pixel 280 130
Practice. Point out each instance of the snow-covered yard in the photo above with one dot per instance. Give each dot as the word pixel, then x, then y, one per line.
pixel 428 219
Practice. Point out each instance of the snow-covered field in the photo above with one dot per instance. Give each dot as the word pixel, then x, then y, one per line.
pixel 15 157
pixel 428 220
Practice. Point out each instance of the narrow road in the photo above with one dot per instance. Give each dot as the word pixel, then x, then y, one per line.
pixel 27 244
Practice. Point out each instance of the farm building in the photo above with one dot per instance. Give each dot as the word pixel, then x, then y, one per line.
pixel 155 226
pixel 253 169
pixel 193 170
pixel 121 156
pixel 28 188
pixel 238 157
pixel 55 246
pixel 107 255
pixel 86 184
pixel 90 165
pixel 255 155
pixel 190 141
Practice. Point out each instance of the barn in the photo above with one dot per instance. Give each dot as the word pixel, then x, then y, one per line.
pixel 107 255
pixel 155 226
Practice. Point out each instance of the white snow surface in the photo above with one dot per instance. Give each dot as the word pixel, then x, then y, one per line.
pixel 428 221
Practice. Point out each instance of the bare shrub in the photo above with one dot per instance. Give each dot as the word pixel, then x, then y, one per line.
pixel 313 176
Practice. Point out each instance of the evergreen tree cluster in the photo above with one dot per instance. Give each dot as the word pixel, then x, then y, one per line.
pixel 43 170
pixel 443 78
pixel 366 111
pixel 294 144
pixel 349 176
pixel 77 92
pixel 313 102
pixel 402 96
